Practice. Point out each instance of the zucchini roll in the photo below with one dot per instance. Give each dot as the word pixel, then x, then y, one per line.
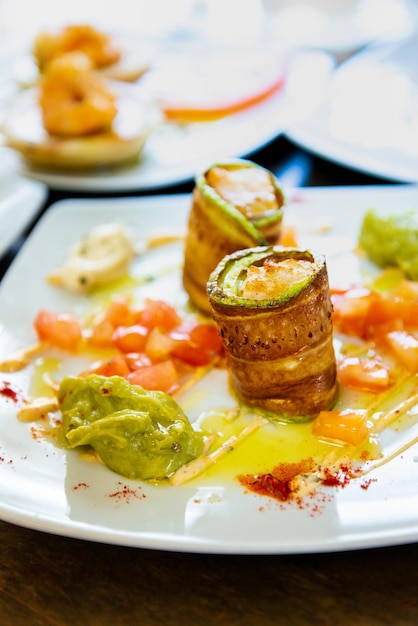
pixel 235 205
pixel 273 309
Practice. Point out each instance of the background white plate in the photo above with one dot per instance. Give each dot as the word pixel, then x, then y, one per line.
pixel 341 27
pixel 174 154
pixel 44 488
pixel 369 119
pixel 20 199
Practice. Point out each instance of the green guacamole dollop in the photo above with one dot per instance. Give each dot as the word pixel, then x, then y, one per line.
pixel 137 433
pixel 391 240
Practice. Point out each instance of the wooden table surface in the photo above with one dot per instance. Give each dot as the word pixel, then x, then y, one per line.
pixel 54 580
pixel 47 580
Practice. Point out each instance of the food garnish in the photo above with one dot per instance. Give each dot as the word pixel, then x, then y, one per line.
pixel 95 44
pixel 137 433
pixel 272 306
pixel 102 255
pixel 73 100
pixel 391 240
pixel 77 119
pixel 107 55
pixel 235 205
pixel 21 359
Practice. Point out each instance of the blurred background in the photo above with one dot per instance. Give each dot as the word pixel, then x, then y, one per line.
pixel 337 24
pixel 362 114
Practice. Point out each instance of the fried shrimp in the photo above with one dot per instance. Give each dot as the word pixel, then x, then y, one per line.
pixel 74 101
pixel 98 46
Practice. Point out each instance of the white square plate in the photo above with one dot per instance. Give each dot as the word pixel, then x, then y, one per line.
pixel 49 489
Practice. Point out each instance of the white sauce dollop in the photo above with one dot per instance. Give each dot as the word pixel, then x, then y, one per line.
pixel 104 254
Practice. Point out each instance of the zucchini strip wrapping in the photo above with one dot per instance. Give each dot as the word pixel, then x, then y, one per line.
pixel 278 342
pixel 235 205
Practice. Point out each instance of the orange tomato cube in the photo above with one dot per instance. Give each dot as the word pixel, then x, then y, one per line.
pixel 190 353
pixel 119 313
pixel 348 426
pixel 58 329
pixel 115 366
pixel 130 338
pixel 404 346
pixel 159 344
pixel 159 314
pixel 207 337
pixel 367 374
pixel 157 377
pixel 101 334
pixel 135 360
pixel 351 310
pixel 393 310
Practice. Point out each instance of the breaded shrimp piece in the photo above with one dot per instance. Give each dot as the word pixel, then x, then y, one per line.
pixel 75 101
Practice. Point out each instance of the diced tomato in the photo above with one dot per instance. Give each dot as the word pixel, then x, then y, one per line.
pixel 193 344
pixel 135 360
pixel 207 337
pixel 367 374
pixel 159 344
pixel 404 346
pixel 115 366
pixel 350 311
pixel 156 346
pixel 159 314
pixel 101 334
pixel 348 426
pixel 366 313
pixel 389 309
pixel 130 338
pixel 59 329
pixel 190 353
pixel 157 377
pixel 119 313
pixel 196 343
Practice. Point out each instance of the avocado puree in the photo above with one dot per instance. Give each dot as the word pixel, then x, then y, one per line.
pixel 137 433
pixel 391 240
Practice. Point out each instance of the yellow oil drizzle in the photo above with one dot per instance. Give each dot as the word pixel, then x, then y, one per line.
pixel 272 444
pixel 44 369
pixel 269 446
